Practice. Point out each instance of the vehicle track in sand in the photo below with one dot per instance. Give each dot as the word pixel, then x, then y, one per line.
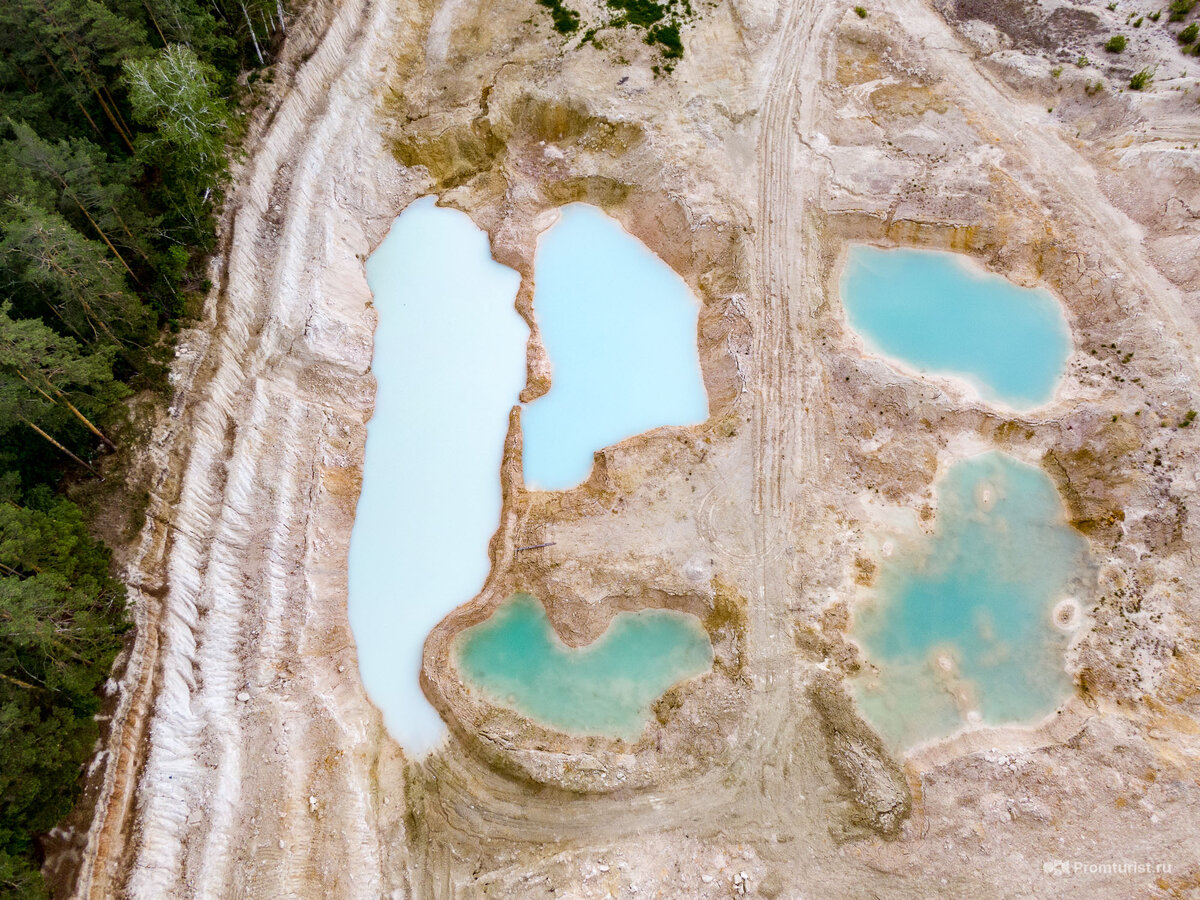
pixel 788 426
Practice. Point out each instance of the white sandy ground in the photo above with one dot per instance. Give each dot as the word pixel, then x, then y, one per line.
pixel 244 759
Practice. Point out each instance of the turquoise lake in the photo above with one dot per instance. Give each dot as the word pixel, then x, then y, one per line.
pixel 619 327
pixel 450 361
pixel 606 688
pixel 941 313
pixel 960 622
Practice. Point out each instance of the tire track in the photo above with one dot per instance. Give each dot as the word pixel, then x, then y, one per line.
pixel 786 372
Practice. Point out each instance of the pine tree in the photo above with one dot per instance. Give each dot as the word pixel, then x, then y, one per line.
pixel 42 371
pixel 76 278
pixel 116 121
pixel 87 42
pixel 59 631
pixel 86 184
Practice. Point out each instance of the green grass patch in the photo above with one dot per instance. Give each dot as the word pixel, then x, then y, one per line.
pixel 661 22
pixel 566 20
pixel 1116 43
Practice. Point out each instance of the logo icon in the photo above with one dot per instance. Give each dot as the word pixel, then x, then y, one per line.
pixel 1056 867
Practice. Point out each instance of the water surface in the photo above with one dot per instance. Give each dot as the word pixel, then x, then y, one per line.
pixel 450 361
pixel 606 688
pixel 941 313
pixel 960 621
pixel 619 326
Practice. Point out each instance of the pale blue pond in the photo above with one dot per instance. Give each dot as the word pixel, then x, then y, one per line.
pixel 961 621
pixel 942 313
pixel 450 361
pixel 619 328
pixel 606 688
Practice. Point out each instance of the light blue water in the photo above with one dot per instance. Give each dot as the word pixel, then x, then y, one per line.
pixel 619 327
pixel 450 362
pixel 606 688
pixel 941 313
pixel 979 592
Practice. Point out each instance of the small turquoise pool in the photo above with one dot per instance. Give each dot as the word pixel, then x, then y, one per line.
pixel 450 363
pixel 619 327
pixel 960 622
pixel 943 314
pixel 606 688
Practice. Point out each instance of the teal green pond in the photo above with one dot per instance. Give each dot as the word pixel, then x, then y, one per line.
pixel 943 314
pixel 960 623
pixel 606 688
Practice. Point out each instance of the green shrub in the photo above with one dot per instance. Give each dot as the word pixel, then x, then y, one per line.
pixel 667 36
pixel 1116 43
pixel 1142 79
pixel 860 11
pixel 1188 35
pixel 1179 9
pixel 566 20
